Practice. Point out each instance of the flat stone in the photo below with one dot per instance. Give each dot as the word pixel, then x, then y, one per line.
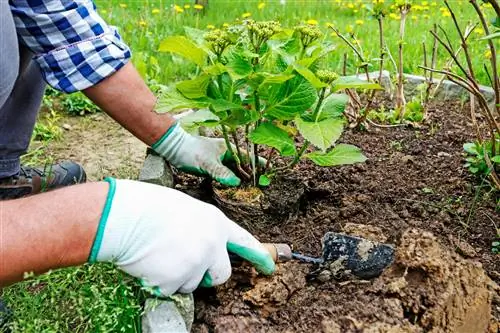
pixel 163 316
pixel 156 170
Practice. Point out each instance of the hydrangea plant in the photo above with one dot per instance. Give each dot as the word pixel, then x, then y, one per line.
pixel 262 84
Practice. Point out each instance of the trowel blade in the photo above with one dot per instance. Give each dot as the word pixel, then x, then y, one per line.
pixel 363 258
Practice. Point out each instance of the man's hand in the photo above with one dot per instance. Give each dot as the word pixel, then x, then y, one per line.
pixel 169 240
pixel 197 155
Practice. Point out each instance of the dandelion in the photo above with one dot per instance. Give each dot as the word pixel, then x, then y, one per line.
pixel 178 9
pixel 155 11
pixel 446 13
pixel 225 25
pixel 187 6
pixel 312 22
pixel 394 16
pixel 123 5
pixel 360 22
pixel 142 23
pixel 350 5
pixel 211 26
pixel 487 54
pixel 479 31
pixel 198 6
pixel 246 15
pixel 349 29
pixel 261 5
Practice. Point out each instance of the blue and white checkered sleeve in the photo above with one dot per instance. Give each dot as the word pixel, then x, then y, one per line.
pixel 73 45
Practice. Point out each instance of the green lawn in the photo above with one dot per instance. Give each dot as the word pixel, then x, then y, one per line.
pixel 100 299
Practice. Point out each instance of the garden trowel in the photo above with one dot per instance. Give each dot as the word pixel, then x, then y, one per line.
pixel 360 257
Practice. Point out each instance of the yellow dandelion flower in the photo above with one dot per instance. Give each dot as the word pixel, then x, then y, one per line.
pixel 487 54
pixel 210 26
pixel 338 1
pixel 479 31
pixel 443 9
pixel 198 6
pixel 225 25
pixel 261 5
pixel 123 5
pixel 312 22
pixel 486 5
pixel 187 6
pixel 246 15
pixel 350 5
pixel 446 14
pixel 360 22
pixel 394 16
pixel 178 9
pixel 155 11
pixel 142 23
pixel 349 29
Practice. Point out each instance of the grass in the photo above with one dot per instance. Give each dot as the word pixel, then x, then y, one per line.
pixel 101 299
pixel 144 24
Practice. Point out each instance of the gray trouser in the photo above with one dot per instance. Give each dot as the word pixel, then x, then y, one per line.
pixel 21 93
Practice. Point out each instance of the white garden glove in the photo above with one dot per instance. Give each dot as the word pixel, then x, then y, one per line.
pixel 197 155
pixel 169 240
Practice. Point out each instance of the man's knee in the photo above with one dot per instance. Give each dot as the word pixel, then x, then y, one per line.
pixel 9 52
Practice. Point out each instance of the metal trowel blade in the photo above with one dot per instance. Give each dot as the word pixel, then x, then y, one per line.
pixel 363 258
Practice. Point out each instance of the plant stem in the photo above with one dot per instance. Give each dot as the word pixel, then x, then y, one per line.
pixel 237 144
pixel 236 158
pixel 382 47
pixel 400 101
pixel 320 102
pixel 256 166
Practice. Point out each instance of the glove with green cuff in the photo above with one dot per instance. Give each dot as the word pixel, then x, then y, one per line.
pixel 169 240
pixel 196 154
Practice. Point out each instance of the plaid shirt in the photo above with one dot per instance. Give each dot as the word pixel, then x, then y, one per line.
pixel 73 45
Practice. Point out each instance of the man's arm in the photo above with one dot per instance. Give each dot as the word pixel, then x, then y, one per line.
pixel 127 99
pixel 44 232
pixel 169 240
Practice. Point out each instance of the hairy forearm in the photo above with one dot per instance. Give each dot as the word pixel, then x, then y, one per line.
pixel 49 230
pixel 128 100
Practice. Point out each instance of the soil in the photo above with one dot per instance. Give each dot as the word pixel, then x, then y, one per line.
pixel 413 183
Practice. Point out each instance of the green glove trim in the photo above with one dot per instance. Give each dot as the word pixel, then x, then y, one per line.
pixel 165 136
pixel 207 281
pixel 263 262
pixel 102 222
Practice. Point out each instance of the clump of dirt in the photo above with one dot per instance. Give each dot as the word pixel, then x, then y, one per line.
pixel 427 289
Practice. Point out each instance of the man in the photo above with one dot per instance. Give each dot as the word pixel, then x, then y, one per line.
pixel 170 241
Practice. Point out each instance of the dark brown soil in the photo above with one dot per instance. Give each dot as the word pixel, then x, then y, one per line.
pixel 414 178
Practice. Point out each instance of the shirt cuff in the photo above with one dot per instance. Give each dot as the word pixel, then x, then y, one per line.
pixel 83 64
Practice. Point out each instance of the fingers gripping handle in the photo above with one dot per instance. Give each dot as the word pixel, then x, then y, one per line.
pixel 279 252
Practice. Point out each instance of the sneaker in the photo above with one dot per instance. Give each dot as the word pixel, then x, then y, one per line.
pixel 35 180
pixel 5 316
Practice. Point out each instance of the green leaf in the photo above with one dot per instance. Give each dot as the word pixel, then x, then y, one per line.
pixel 173 100
pixel 197 35
pixel 215 70
pixel 184 47
pixel 494 35
pixel 349 82
pixel 195 88
pixel 470 148
pixel 333 106
pixel 308 75
pixel 341 154
pixel 264 180
pixel 198 118
pixel 272 136
pixel 290 99
pixel 322 134
pixel 277 78
pixel 219 105
pixel 238 66
pixel 496 159
pixel 240 117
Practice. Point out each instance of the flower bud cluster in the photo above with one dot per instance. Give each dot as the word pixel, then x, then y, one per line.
pixel 327 76
pixel 218 40
pixel 308 34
